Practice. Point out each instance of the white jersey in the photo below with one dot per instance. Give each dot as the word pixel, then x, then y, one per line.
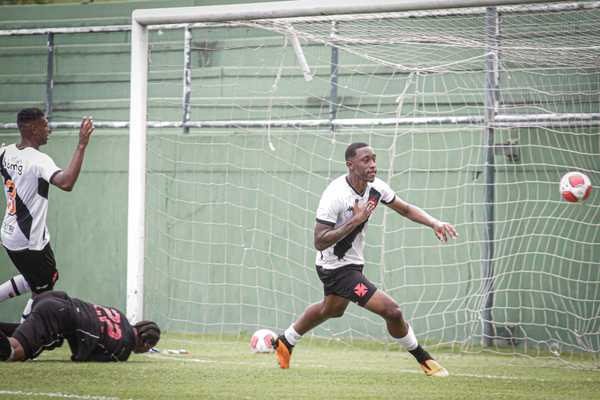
pixel 335 209
pixel 26 174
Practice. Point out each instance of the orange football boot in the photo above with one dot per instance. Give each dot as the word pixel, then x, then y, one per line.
pixel 433 368
pixel 283 351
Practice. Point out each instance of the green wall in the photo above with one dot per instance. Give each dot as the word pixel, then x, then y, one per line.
pixel 91 78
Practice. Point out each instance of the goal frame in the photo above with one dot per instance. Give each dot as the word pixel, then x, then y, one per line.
pixel 138 123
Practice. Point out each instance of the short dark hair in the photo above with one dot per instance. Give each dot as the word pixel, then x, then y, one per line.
pixel 28 115
pixel 148 332
pixel 351 149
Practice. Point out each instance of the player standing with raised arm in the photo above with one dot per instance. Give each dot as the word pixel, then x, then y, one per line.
pixel 342 216
pixel 27 173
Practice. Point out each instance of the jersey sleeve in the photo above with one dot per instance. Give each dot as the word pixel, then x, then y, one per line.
pixel 387 194
pixel 47 167
pixel 327 213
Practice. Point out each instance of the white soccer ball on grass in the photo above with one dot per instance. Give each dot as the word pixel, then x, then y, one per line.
pixel 261 341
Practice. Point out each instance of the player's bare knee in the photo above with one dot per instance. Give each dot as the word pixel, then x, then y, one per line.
pixel 393 314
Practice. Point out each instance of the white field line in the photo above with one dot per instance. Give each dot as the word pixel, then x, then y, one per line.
pixel 55 395
pixel 407 371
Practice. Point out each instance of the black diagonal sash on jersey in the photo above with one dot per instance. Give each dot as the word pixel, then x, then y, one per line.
pixel 342 247
pixel 43 188
pixel 24 218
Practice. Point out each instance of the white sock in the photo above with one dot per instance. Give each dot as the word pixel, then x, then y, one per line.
pixel 15 286
pixel 409 342
pixel 291 335
pixel 26 310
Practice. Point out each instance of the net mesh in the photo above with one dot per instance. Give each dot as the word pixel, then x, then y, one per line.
pixel 230 211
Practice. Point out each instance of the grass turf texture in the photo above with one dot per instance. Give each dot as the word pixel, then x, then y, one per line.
pixel 221 368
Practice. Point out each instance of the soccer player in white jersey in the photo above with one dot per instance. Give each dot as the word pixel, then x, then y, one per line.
pixel 342 216
pixel 27 174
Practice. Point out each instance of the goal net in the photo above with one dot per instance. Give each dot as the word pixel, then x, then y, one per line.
pixel 474 114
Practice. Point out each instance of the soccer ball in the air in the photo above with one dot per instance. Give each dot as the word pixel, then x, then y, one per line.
pixel 575 187
pixel 261 341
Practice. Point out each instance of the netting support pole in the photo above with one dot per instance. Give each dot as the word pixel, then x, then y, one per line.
pixel 137 172
pixel 187 76
pixel 333 79
pixel 50 76
pixel 491 103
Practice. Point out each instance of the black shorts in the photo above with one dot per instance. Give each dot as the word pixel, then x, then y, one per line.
pixel 347 282
pixel 37 266
pixel 51 319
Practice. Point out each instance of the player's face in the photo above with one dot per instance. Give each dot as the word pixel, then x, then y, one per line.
pixel 141 347
pixel 41 130
pixel 363 165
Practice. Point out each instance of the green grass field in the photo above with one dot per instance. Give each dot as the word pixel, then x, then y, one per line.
pixel 225 369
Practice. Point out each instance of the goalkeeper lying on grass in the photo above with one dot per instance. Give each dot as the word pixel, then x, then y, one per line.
pixel 94 333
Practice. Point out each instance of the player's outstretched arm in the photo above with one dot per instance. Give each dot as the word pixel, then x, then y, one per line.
pixel 66 178
pixel 442 230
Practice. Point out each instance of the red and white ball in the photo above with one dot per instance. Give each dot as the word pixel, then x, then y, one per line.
pixel 575 187
pixel 261 341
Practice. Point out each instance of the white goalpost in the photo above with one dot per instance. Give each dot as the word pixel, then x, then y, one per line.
pixel 475 109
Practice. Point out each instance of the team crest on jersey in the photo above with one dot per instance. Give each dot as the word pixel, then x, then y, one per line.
pixel 374 196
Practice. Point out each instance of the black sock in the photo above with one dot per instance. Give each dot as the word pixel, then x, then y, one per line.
pixel 420 354
pixel 5 348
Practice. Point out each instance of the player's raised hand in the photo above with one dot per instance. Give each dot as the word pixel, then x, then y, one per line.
pixel 443 230
pixel 361 212
pixel 85 130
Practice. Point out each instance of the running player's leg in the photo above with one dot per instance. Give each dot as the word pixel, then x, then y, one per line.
pixel 332 306
pixel 340 286
pixel 382 304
